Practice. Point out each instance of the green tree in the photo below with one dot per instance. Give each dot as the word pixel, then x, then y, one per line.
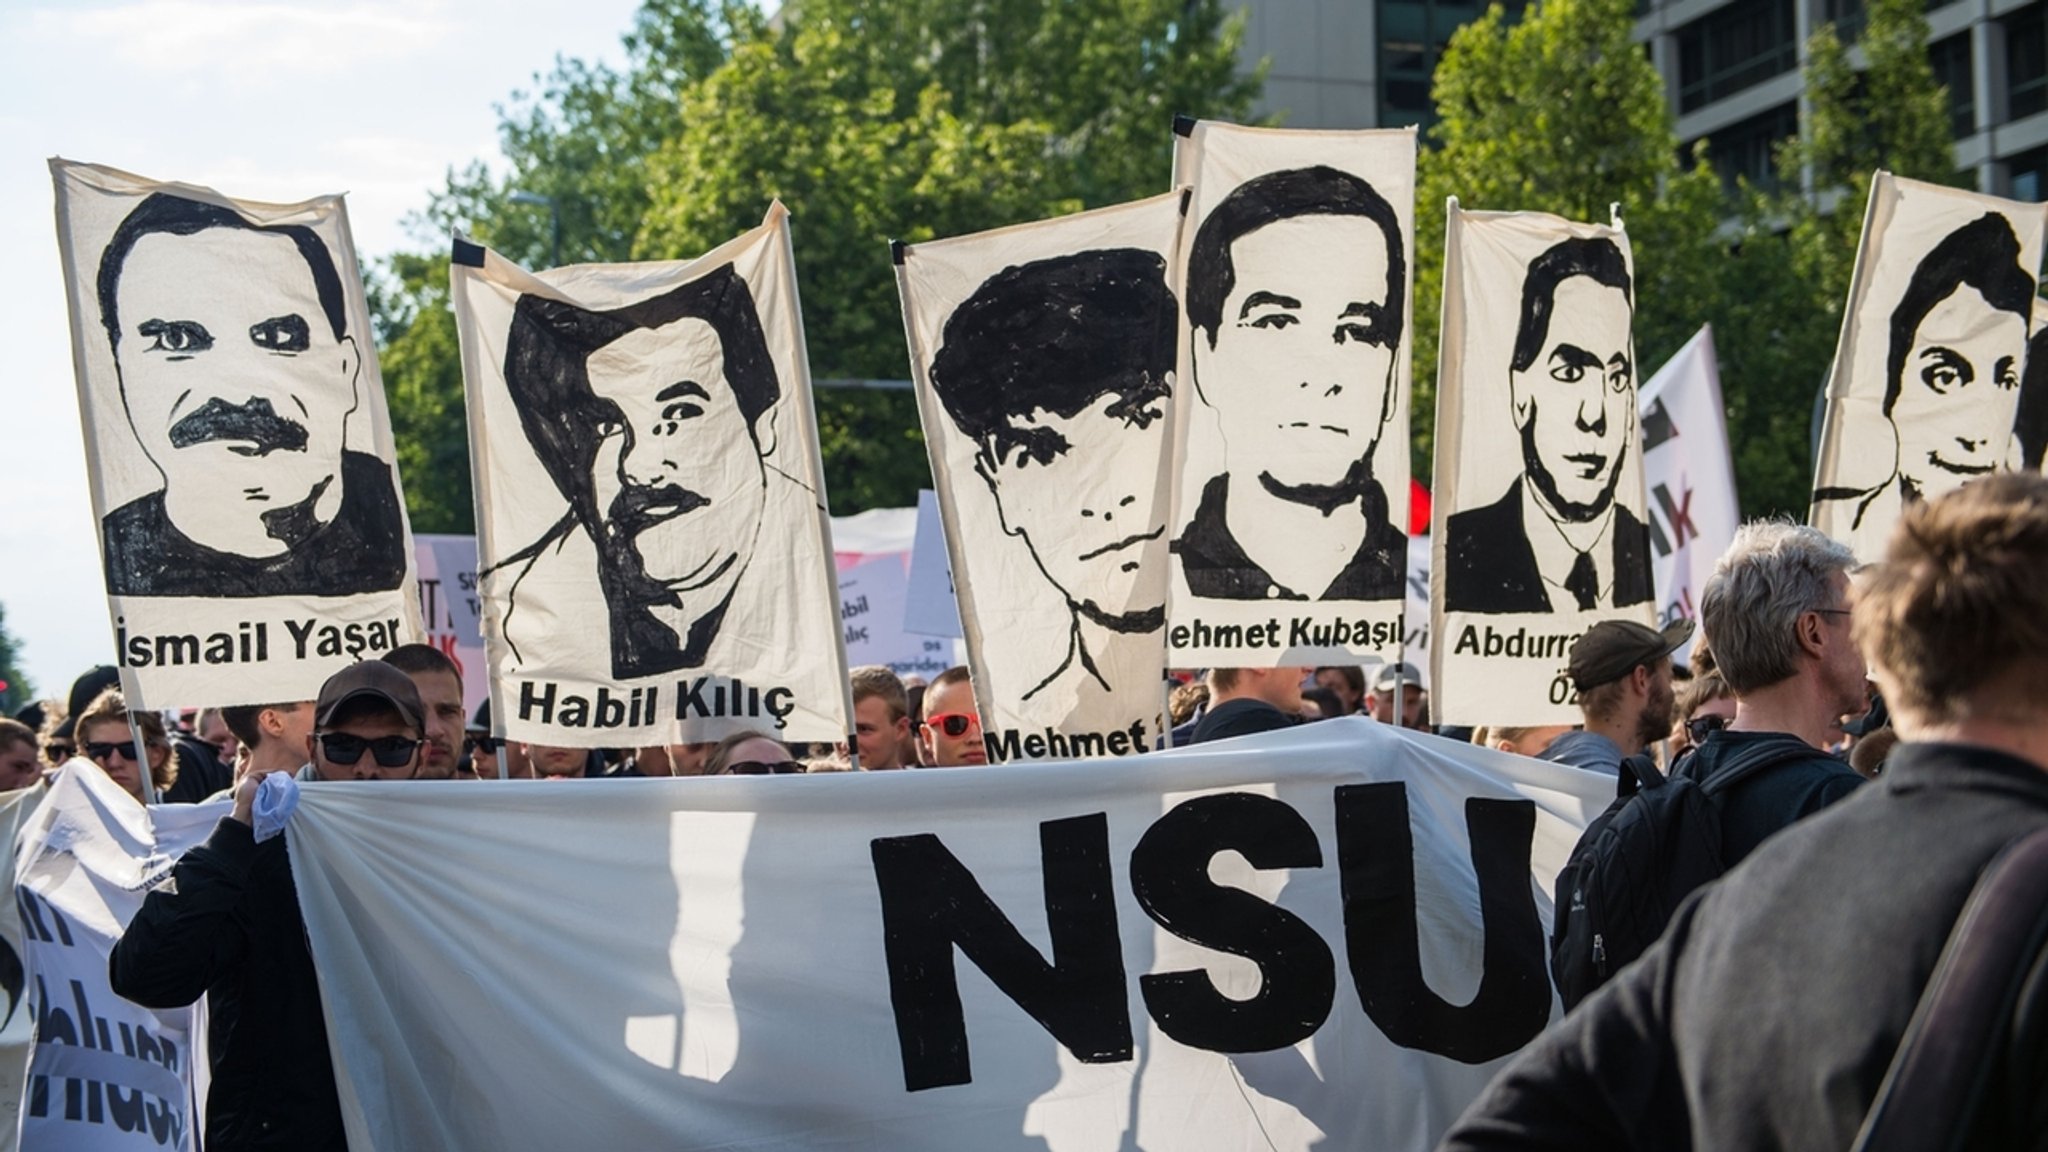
pixel 1563 113
pixel 15 686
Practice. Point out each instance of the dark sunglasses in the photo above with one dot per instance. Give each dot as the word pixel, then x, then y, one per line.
pixel 954 724
pixel 389 751
pixel 58 753
pixel 101 750
pixel 1701 727
pixel 764 768
pixel 484 745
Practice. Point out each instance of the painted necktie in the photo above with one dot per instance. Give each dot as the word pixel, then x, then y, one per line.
pixel 1582 582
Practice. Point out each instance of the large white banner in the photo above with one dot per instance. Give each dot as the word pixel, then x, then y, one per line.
pixel 17 1025
pixel 657 561
pixel 452 608
pixel 105 1074
pixel 1291 480
pixel 1044 362
pixel 1689 477
pixel 1533 547
pixel 1925 384
pixel 1332 933
pixel 251 528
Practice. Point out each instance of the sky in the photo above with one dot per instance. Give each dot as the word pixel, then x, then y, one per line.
pixel 280 100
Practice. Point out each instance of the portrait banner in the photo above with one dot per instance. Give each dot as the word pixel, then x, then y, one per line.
pixel 1532 547
pixel 1336 932
pixel 252 532
pixel 655 555
pixel 1689 479
pixel 104 1074
pixel 1924 393
pixel 1290 480
pixel 1043 356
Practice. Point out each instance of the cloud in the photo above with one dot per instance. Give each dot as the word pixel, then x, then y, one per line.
pixel 240 44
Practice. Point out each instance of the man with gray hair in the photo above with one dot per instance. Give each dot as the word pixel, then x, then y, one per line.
pixel 1776 616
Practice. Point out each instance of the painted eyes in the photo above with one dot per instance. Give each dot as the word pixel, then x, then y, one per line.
pixel 673 415
pixel 281 334
pixel 1945 371
pixel 180 338
pixel 1274 320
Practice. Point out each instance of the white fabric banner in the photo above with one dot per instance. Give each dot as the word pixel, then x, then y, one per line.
pixel 251 528
pixel 1044 361
pixel 657 560
pixel 17 1026
pixel 105 1073
pixel 871 597
pixel 1291 476
pixel 1532 547
pixel 1689 477
pixel 1336 931
pixel 1925 383
pixel 452 608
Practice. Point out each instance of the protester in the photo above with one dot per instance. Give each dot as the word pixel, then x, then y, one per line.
pixel 1522 741
pixel 228 926
pixel 439 681
pixel 950 736
pixel 555 763
pixel 1187 702
pixel 1348 683
pixel 1769 1013
pixel 1247 700
pixel 881 717
pixel 84 690
pixel 20 765
pixel 1621 671
pixel 751 753
pixel 1705 705
pixel 53 737
pixel 1320 703
pixel 1414 697
pixel 106 738
pixel 206 757
pixel 275 735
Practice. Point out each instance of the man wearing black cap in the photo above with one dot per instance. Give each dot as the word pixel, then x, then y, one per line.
pixel 1621 671
pixel 228 926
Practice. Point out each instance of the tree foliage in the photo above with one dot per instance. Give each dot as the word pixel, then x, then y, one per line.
pixel 15 687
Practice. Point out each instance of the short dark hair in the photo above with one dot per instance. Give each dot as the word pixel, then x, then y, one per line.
pixel 14 732
pixel 547 354
pixel 242 719
pixel 957 674
pixel 1983 254
pixel 1057 335
pixel 421 660
pixel 178 216
pixel 1595 257
pixel 2030 422
pixel 1284 195
pixel 1352 675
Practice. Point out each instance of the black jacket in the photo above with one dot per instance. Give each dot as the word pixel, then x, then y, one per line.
pixel 1240 717
pixel 1217 567
pixel 1489 566
pixel 229 927
pixel 1767 1015
pixel 1775 797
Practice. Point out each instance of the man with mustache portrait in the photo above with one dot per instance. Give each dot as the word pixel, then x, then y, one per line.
pixel 654 421
pixel 239 376
pixel 1558 540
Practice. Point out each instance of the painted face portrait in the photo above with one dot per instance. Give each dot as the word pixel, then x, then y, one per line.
pixel 1575 402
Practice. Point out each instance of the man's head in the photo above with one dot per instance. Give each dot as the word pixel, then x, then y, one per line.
pixel 1347 682
pixel 20 764
pixel 106 736
pixel 1621 671
pixel 631 412
pixel 236 369
pixel 881 717
pixel 1778 607
pixel 1280 687
pixel 950 735
pixel 1297 293
pixel 1414 697
pixel 1958 333
pixel 368 724
pixel 440 686
pixel 1954 621
pixel 274 734
pixel 1060 371
pixel 213 731
pixel 555 763
pixel 1572 378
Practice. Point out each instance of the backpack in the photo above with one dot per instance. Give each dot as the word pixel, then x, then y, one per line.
pixel 1638 861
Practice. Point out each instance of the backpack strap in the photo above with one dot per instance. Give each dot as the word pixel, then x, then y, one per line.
pixel 1637 773
pixel 1751 762
pixel 1936 1079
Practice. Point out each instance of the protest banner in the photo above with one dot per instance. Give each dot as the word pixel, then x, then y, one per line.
pixel 871 595
pixel 1335 931
pixel 1689 478
pixel 656 557
pixel 104 1074
pixel 17 1026
pixel 1292 463
pixel 1044 361
pixel 452 609
pixel 1925 385
pixel 1532 547
pixel 240 460
pixel 934 607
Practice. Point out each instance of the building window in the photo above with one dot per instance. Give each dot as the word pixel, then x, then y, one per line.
pixel 1951 60
pixel 1747 149
pixel 1412 38
pixel 2026 60
pixel 1738 47
pixel 2028 172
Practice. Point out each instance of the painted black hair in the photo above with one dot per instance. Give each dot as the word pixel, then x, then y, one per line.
pixel 1984 254
pixel 1594 257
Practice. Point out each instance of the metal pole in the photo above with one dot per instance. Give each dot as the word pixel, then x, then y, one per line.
pixel 148 782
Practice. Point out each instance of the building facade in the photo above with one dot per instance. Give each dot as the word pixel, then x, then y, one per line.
pixel 1730 67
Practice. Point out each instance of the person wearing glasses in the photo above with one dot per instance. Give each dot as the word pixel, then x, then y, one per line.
pixel 751 753
pixel 1705 706
pixel 1621 671
pixel 228 926
pixel 106 738
pixel 950 734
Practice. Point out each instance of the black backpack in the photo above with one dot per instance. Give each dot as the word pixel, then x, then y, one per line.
pixel 1637 862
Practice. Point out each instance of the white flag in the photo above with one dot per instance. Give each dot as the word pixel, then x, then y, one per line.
pixel 1690 478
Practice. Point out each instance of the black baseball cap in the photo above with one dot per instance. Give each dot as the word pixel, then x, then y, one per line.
pixel 1611 649
pixel 370 679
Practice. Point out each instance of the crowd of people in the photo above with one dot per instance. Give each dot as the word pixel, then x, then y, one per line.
pixel 1807 961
